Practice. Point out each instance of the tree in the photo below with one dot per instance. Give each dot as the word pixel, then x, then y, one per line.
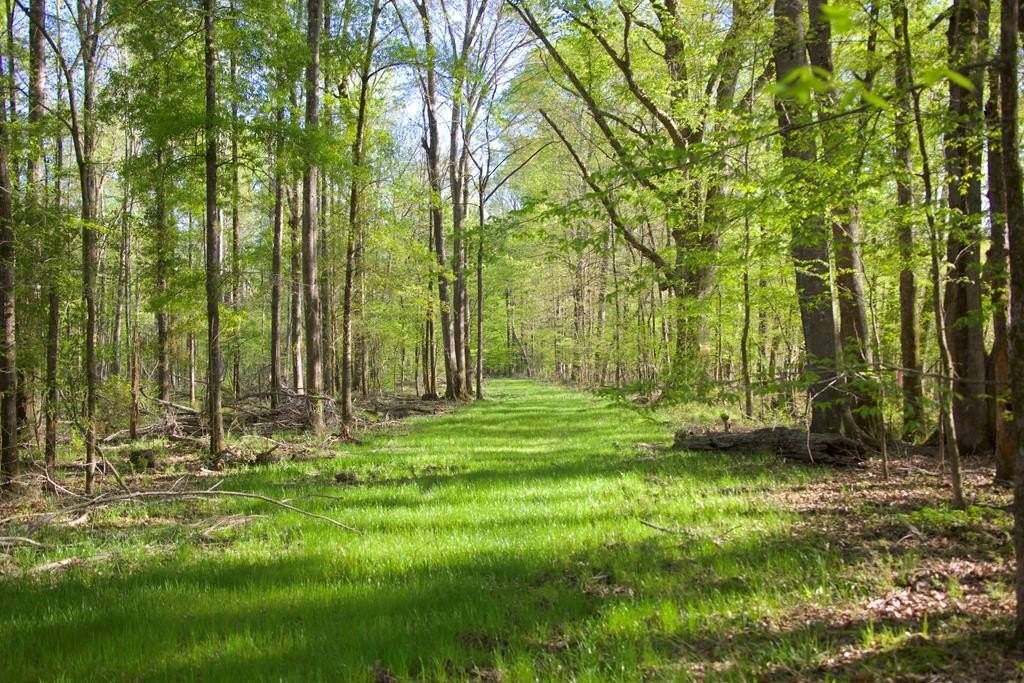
pixel 215 366
pixel 8 348
pixel 963 249
pixel 310 230
pixel 809 240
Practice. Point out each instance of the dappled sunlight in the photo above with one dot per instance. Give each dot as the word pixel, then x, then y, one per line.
pixel 562 552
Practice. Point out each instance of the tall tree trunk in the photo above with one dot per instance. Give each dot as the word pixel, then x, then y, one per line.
pixel 275 265
pixel 215 370
pixel 948 434
pixel 480 290
pixel 996 271
pixel 910 342
pixel 8 361
pixel 809 239
pixel 296 318
pixel 432 145
pixel 84 137
pixel 164 244
pixel 1008 65
pixel 36 196
pixel 236 228
pixel 962 303
pixel 853 344
pixel 310 230
pixel 355 218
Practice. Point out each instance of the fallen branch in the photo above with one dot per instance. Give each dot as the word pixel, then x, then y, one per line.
pixel 109 499
pixel 10 541
pixel 675 532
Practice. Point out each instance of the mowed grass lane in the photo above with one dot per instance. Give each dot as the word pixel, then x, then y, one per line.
pixel 502 539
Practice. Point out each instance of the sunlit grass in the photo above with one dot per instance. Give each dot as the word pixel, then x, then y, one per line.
pixel 505 536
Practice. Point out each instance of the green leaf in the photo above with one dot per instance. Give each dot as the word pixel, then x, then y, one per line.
pixel 839 17
pixel 958 78
pixel 875 100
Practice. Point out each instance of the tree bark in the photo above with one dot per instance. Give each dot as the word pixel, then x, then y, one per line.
pixel 962 304
pixel 947 425
pixel 8 361
pixel 310 229
pixel 809 239
pixel 1008 65
pixel 295 318
pixel 432 146
pixel 277 221
pixel 236 227
pixel 215 370
pixel 996 271
pixel 164 243
pixel 910 342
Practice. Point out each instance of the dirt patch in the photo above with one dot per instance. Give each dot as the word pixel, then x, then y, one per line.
pixel 939 581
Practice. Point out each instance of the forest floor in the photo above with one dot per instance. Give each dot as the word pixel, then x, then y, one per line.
pixel 542 534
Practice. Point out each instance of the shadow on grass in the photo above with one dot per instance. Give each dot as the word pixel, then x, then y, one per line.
pixel 550 590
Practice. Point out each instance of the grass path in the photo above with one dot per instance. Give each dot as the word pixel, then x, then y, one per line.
pixel 504 538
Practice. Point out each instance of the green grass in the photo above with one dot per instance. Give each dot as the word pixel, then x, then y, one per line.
pixel 504 536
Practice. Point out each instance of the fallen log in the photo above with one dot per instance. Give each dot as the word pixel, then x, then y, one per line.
pixel 792 444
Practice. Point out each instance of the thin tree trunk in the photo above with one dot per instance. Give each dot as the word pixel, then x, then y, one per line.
pixel 275 265
pixel 947 423
pixel 295 315
pixel 480 294
pixel 213 289
pixel 996 271
pixel 136 383
pixel 8 360
pixel 164 243
pixel 310 229
pixel 910 338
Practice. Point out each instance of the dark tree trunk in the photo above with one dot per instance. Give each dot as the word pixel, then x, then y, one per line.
pixel 853 344
pixel 947 425
pixel 355 219
pixel 480 293
pixel 295 311
pixel 996 271
pixel 310 230
pixel 910 341
pixel 809 238
pixel 8 361
pixel 962 302
pixel 275 265
pixel 164 244
pixel 432 146
pixel 213 290
pixel 236 230
pixel 1008 61
pixel 52 396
